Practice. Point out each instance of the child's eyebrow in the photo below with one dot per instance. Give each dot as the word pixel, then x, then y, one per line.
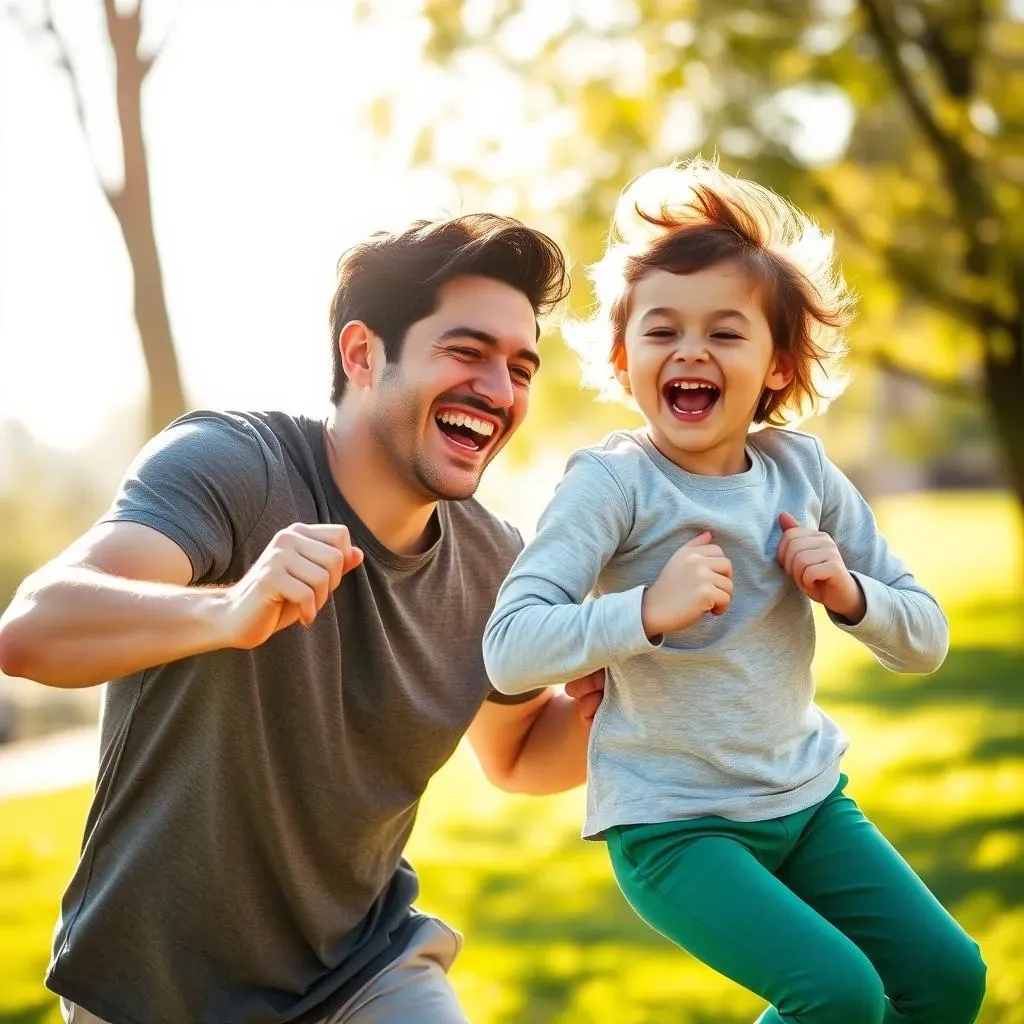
pixel 662 311
pixel 733 313
pixel 718 314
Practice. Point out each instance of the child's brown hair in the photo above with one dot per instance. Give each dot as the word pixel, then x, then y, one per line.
pixel 687 217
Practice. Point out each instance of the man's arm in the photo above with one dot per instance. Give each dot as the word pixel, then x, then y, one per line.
pixel 538 746
pixel 118 602
pixel 114 603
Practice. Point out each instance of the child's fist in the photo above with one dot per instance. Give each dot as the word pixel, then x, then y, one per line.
pixel 697 579
pixel 814 563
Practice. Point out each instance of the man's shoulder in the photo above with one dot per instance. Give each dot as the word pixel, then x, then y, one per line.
pixel 239 438
pixel 483 533
pixel 243 424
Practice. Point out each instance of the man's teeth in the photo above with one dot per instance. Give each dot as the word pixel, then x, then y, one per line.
pixel 481 427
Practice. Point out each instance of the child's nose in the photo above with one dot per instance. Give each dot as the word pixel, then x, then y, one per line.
pixel 692 347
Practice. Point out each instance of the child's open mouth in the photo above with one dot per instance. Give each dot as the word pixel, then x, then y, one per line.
pixel 691 400
pixel 464 431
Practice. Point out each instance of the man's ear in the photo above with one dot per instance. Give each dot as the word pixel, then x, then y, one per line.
pixel 359 348
pixel 781 371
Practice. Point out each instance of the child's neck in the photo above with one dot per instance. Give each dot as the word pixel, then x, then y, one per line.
pixel 725 459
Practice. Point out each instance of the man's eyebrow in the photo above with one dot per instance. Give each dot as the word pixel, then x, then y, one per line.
pixel 486 338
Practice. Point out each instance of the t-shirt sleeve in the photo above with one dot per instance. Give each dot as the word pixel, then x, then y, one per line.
pixel 903 626
pixel 203 483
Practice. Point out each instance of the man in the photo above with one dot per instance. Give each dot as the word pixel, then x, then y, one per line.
pixel 291 611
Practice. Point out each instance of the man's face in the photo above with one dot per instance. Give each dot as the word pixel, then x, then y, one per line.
pixel 459 389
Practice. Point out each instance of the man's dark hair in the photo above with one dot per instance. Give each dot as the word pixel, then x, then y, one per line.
pixel 392 280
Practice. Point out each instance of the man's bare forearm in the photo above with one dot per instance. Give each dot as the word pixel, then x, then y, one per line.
pixel 553 754
pixel 74 626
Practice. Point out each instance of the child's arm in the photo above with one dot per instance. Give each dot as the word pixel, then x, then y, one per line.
pixel 541 632
pixel 900 622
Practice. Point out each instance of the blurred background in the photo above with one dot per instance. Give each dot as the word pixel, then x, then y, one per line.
pixel 177 180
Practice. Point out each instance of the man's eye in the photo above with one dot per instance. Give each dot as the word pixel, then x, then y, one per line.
pixel 524 375
pixel 466 353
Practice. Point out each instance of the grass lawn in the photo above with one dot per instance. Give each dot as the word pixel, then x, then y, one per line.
pixel 938 762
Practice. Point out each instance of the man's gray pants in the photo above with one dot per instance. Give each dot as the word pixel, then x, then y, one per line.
pixel 414 987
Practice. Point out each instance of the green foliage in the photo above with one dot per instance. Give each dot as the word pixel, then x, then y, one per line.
pixel 901 125
pixel 937 761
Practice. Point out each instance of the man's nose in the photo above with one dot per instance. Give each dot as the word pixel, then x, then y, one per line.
pixel 494 383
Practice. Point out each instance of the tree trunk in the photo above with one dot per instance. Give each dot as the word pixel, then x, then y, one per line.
pixel 133 210
pixel 1004 388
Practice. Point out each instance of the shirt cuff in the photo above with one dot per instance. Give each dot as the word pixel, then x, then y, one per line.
pixel 621 624
pixel 878 615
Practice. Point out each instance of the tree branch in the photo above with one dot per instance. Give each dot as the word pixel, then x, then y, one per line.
pixel 63 61
pixel 956 162
pixel 957 64
pixel 47 28
pixel 889 51
pixel 905 268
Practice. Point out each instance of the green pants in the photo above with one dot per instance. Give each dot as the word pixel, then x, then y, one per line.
pixel 815 912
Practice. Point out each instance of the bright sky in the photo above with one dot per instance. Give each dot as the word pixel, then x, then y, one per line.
pixel 261 176
pixel 263 170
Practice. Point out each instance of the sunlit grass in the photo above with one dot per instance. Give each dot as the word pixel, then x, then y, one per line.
pixel 39 840
pixel 937 761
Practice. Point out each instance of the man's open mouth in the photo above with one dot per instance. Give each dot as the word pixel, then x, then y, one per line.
pixel 691 399
pixel 463 430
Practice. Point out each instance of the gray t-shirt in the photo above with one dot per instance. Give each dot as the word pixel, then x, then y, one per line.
pixel 718 719
pixel 242 859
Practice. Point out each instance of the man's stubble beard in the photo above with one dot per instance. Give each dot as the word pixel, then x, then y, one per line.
pixel 400 422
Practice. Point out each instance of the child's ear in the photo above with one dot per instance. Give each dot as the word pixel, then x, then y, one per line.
pixel 781 371
pixel 620 368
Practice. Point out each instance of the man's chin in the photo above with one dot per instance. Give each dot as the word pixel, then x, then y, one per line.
pixel 449 486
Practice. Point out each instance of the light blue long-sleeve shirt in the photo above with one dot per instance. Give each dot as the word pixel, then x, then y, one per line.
pixel 718 718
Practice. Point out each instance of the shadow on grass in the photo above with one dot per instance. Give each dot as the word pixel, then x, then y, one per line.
pixel 948 862
pixel 514 906
pixel 984 676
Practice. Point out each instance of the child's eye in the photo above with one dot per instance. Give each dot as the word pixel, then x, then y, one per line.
pixel 726 335
pixel 660 332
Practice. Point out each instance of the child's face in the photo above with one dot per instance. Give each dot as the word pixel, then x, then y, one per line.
pixel 698 356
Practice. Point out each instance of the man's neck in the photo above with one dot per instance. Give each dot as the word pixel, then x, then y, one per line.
pixel 365 476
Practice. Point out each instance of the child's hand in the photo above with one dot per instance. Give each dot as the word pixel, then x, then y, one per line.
pixel 813 561
pixel 697 579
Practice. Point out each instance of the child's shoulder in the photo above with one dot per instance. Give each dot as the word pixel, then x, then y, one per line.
pixel 620 452
pixel 781 444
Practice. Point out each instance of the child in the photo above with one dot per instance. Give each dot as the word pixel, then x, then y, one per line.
pixel 714 778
